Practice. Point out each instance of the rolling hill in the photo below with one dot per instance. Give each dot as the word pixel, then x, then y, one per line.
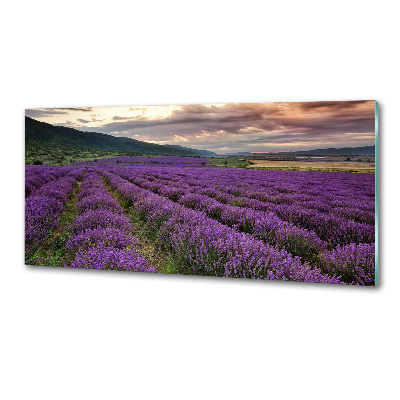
pixel 43 138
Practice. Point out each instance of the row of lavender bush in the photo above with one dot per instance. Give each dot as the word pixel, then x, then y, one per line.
pixel 263 225
pixel 102 235
pixel 330 225
pixel 36 176
pixel 44 207
pixel 339 190
pixel 350 259
pixel 158 160
pixel 236 199
pixel 206 247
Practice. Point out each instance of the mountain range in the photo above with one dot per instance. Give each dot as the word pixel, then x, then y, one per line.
pixel 58 141
pixel 40 135
pixel 349 151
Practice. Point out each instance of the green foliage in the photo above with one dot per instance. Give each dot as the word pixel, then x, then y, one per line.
pixel 230 162
pixel 57 145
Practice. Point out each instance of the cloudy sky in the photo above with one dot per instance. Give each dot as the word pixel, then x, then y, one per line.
pixel 225 128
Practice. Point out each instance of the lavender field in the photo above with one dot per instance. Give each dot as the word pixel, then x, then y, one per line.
pixel 201 220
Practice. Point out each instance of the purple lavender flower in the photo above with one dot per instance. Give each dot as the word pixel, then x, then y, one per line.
pixel 111 258
pixel 283 225
pixel 354 263
pixel 100 219
pixel 97 201
pixel 108 237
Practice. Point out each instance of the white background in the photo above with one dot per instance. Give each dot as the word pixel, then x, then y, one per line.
pixel 107 335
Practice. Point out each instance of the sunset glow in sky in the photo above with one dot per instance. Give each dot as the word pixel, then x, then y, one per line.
pixel 226 128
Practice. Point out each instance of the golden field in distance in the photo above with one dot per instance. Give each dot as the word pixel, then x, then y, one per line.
pixel 330 165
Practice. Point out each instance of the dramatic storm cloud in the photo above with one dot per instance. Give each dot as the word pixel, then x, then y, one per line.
pixel 224 128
